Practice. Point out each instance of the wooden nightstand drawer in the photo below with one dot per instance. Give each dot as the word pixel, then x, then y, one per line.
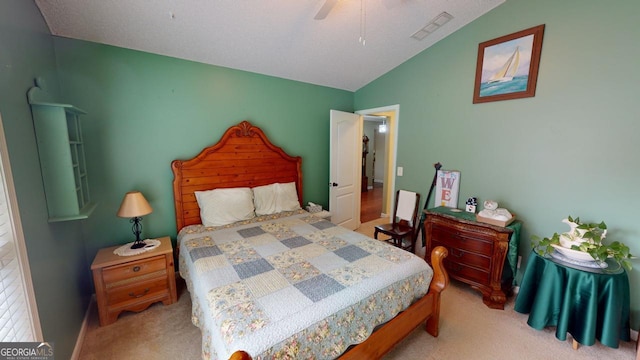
pixel 461 256
pixel 129 271
pixel 137 292
pixel 132 283
pixel 467 272
pixel 462 240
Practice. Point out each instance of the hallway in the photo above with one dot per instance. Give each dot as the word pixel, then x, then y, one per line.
pixel 371 203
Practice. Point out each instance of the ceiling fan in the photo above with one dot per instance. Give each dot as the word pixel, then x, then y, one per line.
pixel 329 4
pixel 325 9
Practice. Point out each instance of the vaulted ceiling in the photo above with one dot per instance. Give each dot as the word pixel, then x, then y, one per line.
pixel 357 41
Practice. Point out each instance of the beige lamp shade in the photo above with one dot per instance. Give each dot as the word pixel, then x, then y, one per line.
pixel 134 205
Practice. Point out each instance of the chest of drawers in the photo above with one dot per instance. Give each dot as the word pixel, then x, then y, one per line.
pixel 132 283
pixel 477 253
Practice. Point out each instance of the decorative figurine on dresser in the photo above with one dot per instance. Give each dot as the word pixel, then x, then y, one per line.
pixel 483 255
pixel 471 204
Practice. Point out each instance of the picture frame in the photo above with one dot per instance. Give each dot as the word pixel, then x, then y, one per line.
pixel 507 67
pixel 447 188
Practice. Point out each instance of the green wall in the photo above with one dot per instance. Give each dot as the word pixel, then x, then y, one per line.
pixel 570 150
pixel 56 251
pixel 145 110
pixel 567 151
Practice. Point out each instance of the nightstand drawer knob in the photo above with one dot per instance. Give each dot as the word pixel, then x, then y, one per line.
pixel 139 295
pixel 136 268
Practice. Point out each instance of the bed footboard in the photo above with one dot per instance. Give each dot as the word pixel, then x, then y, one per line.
pixel 240 355
pixel 439 282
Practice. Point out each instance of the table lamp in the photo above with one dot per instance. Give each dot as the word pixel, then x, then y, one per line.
pixel 134 206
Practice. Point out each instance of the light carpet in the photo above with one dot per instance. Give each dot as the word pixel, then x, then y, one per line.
pixel 468 330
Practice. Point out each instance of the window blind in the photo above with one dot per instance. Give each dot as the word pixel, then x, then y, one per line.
pixel 18 318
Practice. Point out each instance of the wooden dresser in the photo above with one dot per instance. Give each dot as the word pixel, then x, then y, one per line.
pixel 133 282
pixel 477 252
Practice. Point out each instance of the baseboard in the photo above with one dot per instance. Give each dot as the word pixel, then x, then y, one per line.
pixel 83 330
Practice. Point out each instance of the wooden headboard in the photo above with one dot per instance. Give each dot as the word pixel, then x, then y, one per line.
pixel 244 157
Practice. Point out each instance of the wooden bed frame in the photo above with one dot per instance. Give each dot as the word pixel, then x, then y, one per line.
pixel 244 157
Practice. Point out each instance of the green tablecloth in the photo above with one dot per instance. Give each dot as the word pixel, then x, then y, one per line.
pixel 589 305
pixel 514 239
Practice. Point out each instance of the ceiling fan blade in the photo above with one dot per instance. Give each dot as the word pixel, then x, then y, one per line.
pixel 325 9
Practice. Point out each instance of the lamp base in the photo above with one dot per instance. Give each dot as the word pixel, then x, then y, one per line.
pixel 138 244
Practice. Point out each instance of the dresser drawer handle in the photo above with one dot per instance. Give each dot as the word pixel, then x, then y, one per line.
pixel 139 295
pixel 136 268
pixel 455 252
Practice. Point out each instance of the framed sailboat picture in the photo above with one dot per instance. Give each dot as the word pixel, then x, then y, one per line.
pixel 507 67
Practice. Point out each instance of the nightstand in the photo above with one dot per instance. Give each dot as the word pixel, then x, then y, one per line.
pixel 132 283
pixel 477 251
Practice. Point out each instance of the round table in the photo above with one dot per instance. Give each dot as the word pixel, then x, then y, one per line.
pixel 588 303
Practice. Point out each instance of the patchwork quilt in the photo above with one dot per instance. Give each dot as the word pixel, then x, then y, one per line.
pixel 293 285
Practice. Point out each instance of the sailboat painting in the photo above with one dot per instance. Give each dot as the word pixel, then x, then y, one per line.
pixel 508 66
pixel 508 71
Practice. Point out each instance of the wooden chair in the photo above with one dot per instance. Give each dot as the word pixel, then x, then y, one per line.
pixel 404 218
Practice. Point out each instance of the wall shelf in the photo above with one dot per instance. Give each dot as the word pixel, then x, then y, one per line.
pixel 62 160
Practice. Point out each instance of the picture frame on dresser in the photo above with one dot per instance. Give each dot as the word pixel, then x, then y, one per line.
pixel 447 188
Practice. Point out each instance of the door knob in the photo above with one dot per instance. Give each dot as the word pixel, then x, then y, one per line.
pixel 333 184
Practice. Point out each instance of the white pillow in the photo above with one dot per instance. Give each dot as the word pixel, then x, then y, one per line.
pixel 225 206
pixel 275 198
pixel 264 198
pixel 287 197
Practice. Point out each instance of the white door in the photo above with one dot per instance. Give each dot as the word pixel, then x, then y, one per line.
pixel 345 170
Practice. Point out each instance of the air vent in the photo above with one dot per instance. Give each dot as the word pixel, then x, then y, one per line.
pixel 432 26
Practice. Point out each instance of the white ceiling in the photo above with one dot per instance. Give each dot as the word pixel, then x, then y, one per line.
pixel 272 37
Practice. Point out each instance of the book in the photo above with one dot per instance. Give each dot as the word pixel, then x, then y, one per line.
pixel 447 188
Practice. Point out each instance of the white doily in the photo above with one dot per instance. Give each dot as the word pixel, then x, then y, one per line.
pixel 126 250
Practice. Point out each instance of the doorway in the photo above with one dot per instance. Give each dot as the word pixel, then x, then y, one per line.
pixel 373 169
pixel 378 161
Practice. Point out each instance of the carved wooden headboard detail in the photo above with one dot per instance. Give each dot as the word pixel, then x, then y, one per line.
pixel 244 157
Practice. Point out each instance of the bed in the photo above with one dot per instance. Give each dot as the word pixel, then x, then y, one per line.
pixel 285 283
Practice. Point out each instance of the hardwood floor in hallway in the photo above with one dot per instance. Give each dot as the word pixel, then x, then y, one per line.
pixel 371 203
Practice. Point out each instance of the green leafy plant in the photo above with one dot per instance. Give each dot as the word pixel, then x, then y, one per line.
pixel 585 237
